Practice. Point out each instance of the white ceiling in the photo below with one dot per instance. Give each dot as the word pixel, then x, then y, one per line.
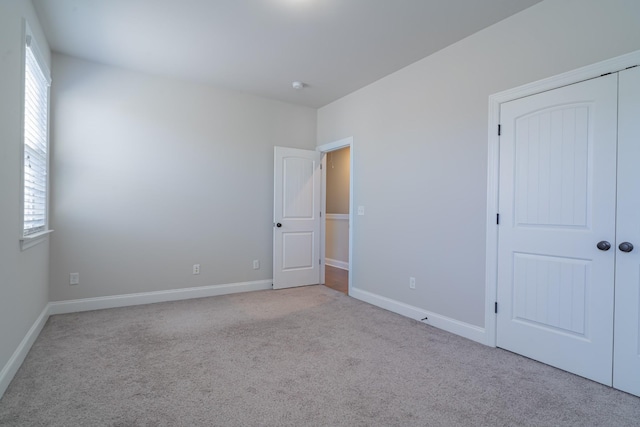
pixel 262 46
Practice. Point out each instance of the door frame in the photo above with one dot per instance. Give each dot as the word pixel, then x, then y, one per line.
pixel 493 164
pixel 324 149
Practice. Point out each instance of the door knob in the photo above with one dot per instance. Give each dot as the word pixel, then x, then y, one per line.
pixel 604 245
pixel 625 247
pixel 278 225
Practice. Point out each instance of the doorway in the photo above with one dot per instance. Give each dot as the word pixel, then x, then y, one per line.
pixel 299 238
pixel 337 166
pixel 337 227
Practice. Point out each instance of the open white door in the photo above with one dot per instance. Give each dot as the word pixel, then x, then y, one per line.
pixel 296 217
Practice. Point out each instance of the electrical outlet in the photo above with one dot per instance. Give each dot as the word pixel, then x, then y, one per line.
pixel 360 210
pixel 74 278
pixel 196 268
pixel 256 264
pixel 412 282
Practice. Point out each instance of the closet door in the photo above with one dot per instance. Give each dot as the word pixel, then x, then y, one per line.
pixel 557 202
pixel 626 368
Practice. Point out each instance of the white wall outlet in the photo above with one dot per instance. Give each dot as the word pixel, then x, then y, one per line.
pixel 412 282
pixel 256 264
pixel 360 210
pixel 196 268
pixel 74 278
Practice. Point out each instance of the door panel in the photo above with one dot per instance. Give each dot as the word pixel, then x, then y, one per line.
pixel 552 179
pixel 296 251
pixel 557 201
pixel 627 321
pixel 551 293
pixel 298 191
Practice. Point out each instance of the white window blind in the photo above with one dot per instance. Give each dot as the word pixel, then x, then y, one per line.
pixel 36 106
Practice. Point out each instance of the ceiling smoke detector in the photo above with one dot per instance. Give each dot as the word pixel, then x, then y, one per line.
pixel 297 85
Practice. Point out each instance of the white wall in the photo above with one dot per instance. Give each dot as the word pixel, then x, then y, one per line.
pixel 337 240
pixel 338 175
pixel 152 175
pixel 421 138
pixel 23 274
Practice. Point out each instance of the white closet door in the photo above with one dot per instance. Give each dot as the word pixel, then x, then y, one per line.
pixel 557 201
pixel 626 368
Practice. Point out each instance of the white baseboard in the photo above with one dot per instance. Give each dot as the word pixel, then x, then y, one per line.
pixel 466 330
pixel 9 370
pixel 337 264
pixel 86 304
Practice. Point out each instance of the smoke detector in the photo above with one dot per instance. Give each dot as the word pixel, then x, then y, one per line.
pixel 297 85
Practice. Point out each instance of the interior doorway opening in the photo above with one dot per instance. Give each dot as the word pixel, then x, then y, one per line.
pixel 336 219
pixel 337 226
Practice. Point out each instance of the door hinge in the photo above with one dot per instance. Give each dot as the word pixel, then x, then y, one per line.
pixel 495 307
pixel 320 166
pixel 320 214
pixel 319 262
pixel 498 218
pixel 499 130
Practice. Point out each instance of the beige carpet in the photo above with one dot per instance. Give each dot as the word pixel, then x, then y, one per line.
pixel 299 357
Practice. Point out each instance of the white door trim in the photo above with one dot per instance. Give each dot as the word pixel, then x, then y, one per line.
pixel 493 164
pixel 324 149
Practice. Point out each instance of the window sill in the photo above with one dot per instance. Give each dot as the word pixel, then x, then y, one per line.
pixel 28 241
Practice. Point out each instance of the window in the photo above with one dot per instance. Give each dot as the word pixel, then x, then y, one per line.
pixel 36 142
